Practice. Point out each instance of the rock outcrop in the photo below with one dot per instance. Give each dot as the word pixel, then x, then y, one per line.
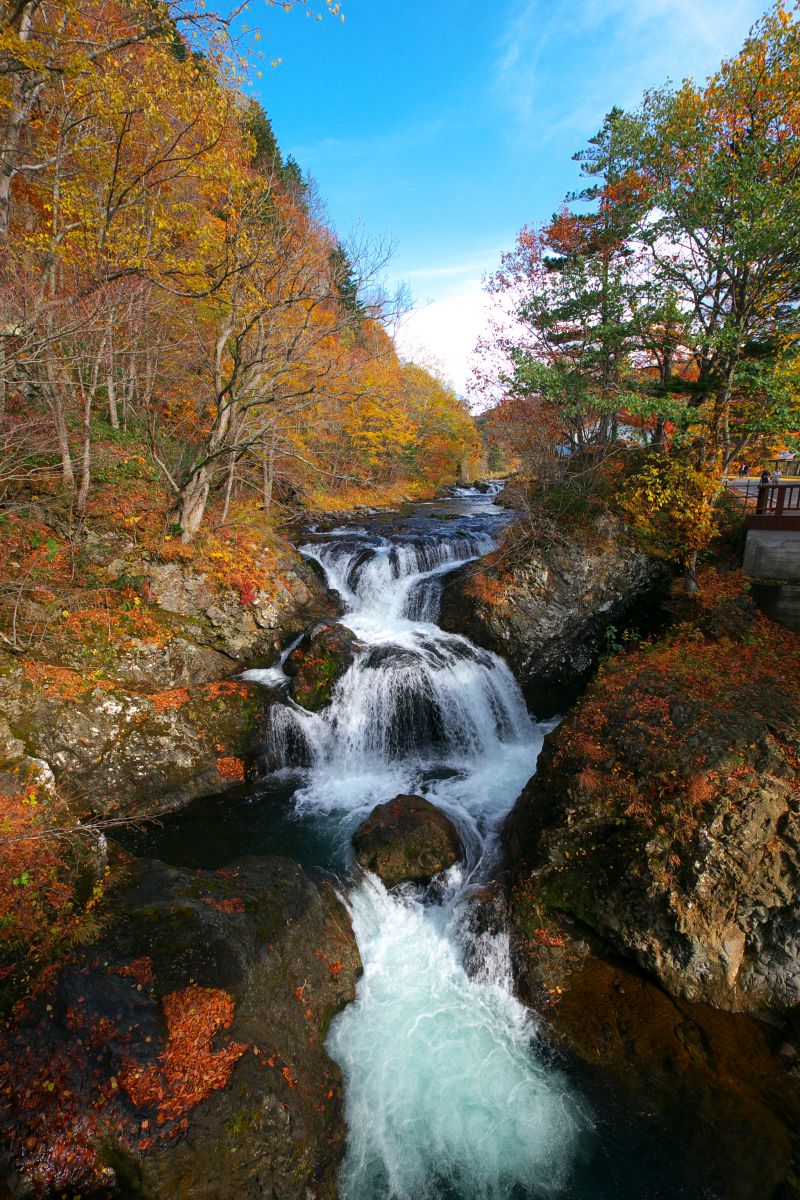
pixel 552 612
pixel 245 633
pixel 665 811
pixel 143 720
pixel 112 750
pixel 184 1053
pixel 408 840
pixel 694 1089
pixel 318 663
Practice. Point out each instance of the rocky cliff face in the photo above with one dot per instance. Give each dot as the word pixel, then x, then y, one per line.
pixel 665 812
pixel 550 612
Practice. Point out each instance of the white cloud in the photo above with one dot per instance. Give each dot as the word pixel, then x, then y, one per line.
pixel 444 333
pixel 450 315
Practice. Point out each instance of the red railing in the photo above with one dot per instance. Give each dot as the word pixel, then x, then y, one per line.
pixel 778 498
pixel 777 507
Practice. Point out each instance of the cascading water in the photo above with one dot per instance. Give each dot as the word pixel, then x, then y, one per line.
pixel 446 1095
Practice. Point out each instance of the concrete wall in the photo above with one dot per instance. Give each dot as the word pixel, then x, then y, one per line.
pixel 780 601
pixel 773 554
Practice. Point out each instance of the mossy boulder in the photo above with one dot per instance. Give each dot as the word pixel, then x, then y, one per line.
pixel 116 750
pixel 408 840
pixel 318 663
pixel 187 1046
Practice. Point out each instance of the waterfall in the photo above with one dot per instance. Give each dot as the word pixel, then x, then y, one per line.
pixel 447 1095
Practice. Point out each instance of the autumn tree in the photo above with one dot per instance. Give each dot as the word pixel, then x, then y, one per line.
pixel 721 163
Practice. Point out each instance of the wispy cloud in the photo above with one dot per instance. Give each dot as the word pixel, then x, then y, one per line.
pixel 473 266
pixel 559 67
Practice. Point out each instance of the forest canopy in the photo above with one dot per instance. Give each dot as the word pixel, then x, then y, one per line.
pixel 174 309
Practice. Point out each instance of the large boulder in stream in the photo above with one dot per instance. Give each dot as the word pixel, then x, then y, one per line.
pixel 407 840
pixel 182 1056
pixel 318 663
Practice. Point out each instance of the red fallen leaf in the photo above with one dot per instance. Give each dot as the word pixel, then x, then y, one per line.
pixel 298 993
pixel 141 969
pixel 188 1070
pixel 309 1013
pixel 232 905
pixel 335 968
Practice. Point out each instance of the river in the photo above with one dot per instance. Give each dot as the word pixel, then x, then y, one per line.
pixel 451 1090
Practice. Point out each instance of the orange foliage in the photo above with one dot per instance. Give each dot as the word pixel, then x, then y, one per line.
pixel 665 727
pixel 174 698
pixel 230 767
pixel 489 589
pixel 141 969
pixel 189 1069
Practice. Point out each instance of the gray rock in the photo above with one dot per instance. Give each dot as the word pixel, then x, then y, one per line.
pixel 717 923
pixel 118 750
pixel 408 840
pixel 551 618
pixel 12 750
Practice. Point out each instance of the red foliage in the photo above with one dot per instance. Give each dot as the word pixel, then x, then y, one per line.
pixel 175 698
pixel 141 969
pixel 234 904
pixel 230 767
pixel 189 1069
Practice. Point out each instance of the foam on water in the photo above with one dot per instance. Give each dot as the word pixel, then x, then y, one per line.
pixel 446 1093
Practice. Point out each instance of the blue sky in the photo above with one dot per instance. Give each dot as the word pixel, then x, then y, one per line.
pixel 448 126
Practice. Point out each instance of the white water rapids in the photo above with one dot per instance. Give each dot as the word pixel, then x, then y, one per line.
pixel 446 1093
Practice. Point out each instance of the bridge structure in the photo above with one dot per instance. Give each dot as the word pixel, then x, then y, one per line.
pixel 772 549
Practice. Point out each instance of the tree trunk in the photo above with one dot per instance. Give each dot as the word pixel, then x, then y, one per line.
pixel 56 406
pixel 268 469
pixel 228 488
pixel 25 88
pixel 111 387
pixel 113 414
pixel 191 503
pixel 86 456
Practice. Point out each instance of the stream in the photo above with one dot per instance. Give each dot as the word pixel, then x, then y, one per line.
pixel 451 1090
pixel 445 1092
